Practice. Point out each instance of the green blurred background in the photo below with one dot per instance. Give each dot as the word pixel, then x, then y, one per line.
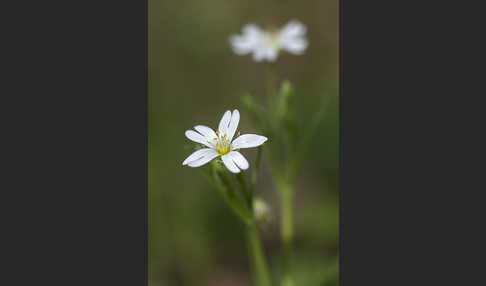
pixel 194 238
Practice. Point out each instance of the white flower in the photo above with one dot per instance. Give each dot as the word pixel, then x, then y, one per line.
pixel 220 143
pixel 266 45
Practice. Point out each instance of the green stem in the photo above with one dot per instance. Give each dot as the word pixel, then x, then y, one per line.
pixel 272 84
pixel 286 231
pixel 255 249
pixel 221 184
pixel 273 124
pixel 256 253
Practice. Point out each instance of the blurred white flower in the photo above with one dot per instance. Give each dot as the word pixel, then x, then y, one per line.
pixel 266 44
pixel 220 143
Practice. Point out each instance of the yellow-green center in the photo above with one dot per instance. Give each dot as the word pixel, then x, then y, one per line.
pixel 271 39
pixel 223 149
pixel 223 145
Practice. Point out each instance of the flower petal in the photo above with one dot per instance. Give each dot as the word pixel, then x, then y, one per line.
pixel 228 162
pixel 293 28
pixel 242 44
pixel 246 43
pixel 239 160
pixel 235 119
pixel 248 141
pixel 271 54
pixel 206 131
pixel 259 54
pixel 295 46
pixel 263 53
pixel 223 124
pixel 209 155
pixel 198 155
pixel 292 37
pixel 251 30
pixel 196 137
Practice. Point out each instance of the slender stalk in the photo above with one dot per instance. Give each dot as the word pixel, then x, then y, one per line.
pixel 284 186
pixel 221 184
pixel 256 253
pixel 286 231
pixel 255 249
pixel 273 124
pixel 272 84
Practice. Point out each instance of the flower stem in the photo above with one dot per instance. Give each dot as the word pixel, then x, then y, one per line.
pixel 286 231
pixel 256 253
pixel 222 185
pixel 255 249
pixel 284 185
pixel 272 85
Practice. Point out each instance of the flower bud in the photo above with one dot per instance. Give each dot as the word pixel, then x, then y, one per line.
pixel 261 211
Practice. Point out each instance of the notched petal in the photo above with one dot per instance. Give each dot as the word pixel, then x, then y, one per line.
pixel 239 160
pixel 248 141
pixel 230 165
